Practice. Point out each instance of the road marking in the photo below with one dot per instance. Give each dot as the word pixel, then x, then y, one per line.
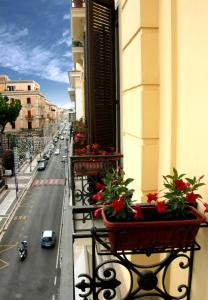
pixel 26 205
pixel 3 248
pixel 55 280
pixel 7 247
pixel 49 181
pixel 20 218
pixel 3 264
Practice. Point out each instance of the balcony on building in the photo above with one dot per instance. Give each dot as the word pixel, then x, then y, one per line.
pixel 29 118
pixel 77 51
pixel 78 3
pixel 78 21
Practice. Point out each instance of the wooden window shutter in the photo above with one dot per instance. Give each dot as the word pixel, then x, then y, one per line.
pixel 100 72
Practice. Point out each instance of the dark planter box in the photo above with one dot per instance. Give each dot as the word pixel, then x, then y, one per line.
pixel 151 234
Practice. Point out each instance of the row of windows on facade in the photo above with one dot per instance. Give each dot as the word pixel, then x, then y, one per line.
pixel 28 100
pixel 13 88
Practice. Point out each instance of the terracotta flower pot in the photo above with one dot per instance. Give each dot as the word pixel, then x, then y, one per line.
pixel 150 233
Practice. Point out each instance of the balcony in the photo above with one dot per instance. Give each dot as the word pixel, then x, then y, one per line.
pixel 29 118
pixel 100 272
pixel 78 3
pixel 77 51
pixel 78 20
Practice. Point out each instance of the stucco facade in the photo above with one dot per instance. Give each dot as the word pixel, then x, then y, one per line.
pixel 36 113
pixel 164 69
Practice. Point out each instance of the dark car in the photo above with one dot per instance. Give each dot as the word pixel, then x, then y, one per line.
pixel 42 163
pixel 46 156
pixel 48 238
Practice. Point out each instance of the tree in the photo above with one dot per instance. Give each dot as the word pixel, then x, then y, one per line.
pixel 8 111
pixel 8 160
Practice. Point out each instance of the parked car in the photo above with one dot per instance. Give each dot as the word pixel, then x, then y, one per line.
pixel 64 158
pixel 57 152
pixel 42 163
pixel 46 156
pixel 61 137
pixel 48 238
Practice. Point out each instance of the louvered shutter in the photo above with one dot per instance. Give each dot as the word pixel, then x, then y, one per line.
pixel 100 72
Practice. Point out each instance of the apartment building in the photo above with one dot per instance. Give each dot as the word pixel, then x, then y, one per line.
pixel 37 113
pixel 144 89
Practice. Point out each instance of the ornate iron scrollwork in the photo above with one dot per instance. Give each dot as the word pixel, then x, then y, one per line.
pixel 106 280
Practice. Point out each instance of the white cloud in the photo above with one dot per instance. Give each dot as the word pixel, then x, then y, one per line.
pixel 18 55
pixel 66 32
pixel 66 17
pixel 68 54
pixel 64 40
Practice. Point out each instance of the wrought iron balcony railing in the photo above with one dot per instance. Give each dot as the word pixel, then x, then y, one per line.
pixel 86 171
pixel 142 279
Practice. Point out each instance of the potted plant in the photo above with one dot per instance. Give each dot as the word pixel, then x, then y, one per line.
pixel 92 159
pixel 167 220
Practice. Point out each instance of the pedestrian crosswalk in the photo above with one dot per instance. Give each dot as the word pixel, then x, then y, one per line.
pixel 49 181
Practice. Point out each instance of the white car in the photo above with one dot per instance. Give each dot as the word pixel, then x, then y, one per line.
pixel 57 152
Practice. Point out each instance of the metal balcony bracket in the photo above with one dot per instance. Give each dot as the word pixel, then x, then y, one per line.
pixel 104 282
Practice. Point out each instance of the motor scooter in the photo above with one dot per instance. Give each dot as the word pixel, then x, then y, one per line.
pixel 23 250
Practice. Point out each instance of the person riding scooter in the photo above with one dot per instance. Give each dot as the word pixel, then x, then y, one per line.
pixel 23 250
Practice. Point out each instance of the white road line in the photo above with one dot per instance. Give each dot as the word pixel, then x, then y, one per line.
pixel 55 280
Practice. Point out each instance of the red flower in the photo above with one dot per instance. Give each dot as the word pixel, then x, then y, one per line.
pixel 180 184
pixel 95 146
pixel 117 205
pixel 206 207
pixel 191 197
pixel 100 186
pixel 152 197
pixel 161 206
pixel 98 196
pixel 97 212
pixel 112 149
pixel 138 212
pixel 88 147
pixel 104 153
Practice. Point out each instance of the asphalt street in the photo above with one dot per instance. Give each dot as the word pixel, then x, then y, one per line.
pixel 38 277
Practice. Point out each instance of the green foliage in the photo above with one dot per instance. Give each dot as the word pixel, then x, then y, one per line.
pixel 8 160
pixel 8 111
pixel 114 196
pixel 178 192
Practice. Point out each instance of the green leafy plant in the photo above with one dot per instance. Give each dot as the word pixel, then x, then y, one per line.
pixel 115 197
pixel 8 111
pixel 178 191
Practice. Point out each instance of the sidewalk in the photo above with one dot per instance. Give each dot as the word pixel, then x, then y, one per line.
pixel 11 196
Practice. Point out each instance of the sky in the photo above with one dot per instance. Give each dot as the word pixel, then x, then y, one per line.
pixel 35 44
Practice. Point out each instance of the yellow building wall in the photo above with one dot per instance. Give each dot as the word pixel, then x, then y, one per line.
pixel 164 107
pixel 183 108
pixel 140 92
